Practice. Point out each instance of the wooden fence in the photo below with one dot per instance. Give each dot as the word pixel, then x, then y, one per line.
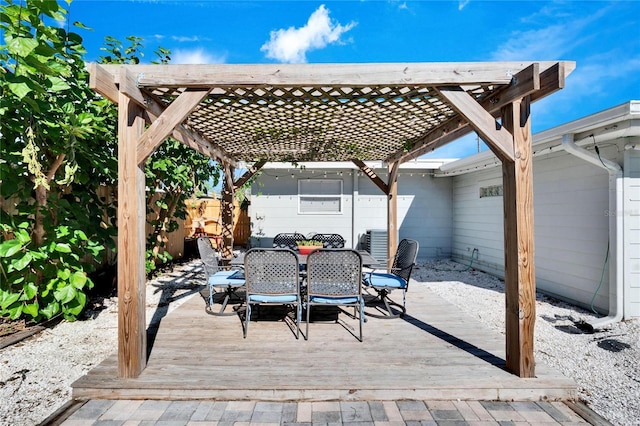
pixel 203 216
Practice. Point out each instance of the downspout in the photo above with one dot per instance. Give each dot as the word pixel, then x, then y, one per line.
pixel 354 202
pixel 616 276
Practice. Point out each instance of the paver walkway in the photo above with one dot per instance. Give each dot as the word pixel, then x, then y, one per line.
pixel 132 412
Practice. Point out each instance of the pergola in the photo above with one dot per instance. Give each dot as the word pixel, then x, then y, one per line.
pixel 392 112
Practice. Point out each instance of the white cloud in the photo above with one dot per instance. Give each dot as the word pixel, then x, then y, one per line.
pixel 547 43
pixel 462 4
pixel 186 38
pixel 542 44
pixel 292 44
pixel 196 56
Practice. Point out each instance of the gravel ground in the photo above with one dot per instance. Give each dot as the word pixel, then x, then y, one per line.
pixel 36 374
pixel 605 364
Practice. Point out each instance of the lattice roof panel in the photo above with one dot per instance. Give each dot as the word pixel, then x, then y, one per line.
pixel 327 112
pixel 317 123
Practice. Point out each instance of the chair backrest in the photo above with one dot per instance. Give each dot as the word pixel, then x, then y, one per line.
pixel 210 259
pixel 330 240
pixel 405 258
pixel 288 240
pixel 271 271
pixel 334 273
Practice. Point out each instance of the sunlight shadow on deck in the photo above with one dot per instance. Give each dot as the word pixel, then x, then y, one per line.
pixel 457 342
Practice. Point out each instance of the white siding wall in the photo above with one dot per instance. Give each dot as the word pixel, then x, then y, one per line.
pixel 571 226
pixel 274 207
pixel 424 209
pixel 477 222
pixel 632 233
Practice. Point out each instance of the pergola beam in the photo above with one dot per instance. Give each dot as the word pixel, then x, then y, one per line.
pixel 392 213
pixel 496 136
pixel 524 83
pixel 228 191
pixel 104 83
pixel 338 75
pixel 170 118
pixel 251 171
pixel 372 175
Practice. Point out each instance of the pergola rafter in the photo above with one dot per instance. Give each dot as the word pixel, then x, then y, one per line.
pixel 328 112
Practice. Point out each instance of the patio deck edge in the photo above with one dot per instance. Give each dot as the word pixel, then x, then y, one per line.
pixel 558 392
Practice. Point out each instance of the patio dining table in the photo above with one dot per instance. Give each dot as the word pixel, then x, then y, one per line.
pixel 236 279
pixel 367 259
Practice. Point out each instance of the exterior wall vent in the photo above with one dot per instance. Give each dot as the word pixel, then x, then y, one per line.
pixel 376 243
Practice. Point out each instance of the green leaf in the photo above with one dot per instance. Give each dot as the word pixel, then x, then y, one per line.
pixel 64 274
pixel 9 248
pixel 63 248
pixel 58 84
pixel 62 231
pixel 23 262
pixel 22 46
pixel 15 312
pixel 75 306
pixel 65 294
pixel 78 280
pixel 30 290
pixel 31 309
pixel 50 310
pixel 22 236
pixel 20 89
pixel 7 299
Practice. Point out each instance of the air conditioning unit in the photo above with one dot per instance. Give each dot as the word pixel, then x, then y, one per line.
pixel 376 242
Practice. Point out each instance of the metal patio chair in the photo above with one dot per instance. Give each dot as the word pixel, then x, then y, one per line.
pixel 272 278
pixel 218 276
pixel 330 240
pixel 383 283
pixel 288 240
pixel 334 278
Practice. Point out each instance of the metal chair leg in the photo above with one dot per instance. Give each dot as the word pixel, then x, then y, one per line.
pixel 383 298
pixel 247 319
pixel 229 293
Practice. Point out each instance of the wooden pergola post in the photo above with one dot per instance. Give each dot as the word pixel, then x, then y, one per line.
pixel 228 191
pixel 392 213
pixel 520 286
pixel 132 336
pixel 511 142
pixel 391 191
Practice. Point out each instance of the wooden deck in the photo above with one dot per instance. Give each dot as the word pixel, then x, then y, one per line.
pixel 435 352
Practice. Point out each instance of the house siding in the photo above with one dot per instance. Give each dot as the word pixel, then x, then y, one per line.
pixel 274 208
pixel 424 208
pixel 632 232
pixel 571 227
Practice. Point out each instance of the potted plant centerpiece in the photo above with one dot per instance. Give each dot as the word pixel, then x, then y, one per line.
pixel 307 246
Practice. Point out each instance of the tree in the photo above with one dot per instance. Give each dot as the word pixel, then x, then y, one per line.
pixel 56 151
pixel 174 172
pixel 58 157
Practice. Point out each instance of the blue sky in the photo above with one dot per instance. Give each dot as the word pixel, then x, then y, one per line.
pixel 603 37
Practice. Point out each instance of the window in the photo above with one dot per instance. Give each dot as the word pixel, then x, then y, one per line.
pixel 491 191
pixel 319 196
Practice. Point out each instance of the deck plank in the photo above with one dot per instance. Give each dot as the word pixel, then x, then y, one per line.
pixel 435 352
